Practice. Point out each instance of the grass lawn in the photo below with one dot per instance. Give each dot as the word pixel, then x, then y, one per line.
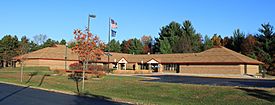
pixel 135 90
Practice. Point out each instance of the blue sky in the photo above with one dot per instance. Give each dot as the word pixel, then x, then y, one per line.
pixel 58 18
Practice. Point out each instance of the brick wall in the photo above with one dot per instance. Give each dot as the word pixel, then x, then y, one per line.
pixel 250 69
pixel 210 69
pixel 53 64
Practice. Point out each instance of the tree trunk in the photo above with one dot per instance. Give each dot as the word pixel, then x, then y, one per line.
pixel 83 75
pixel 21 72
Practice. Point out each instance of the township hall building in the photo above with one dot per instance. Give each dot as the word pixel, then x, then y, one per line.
pixel 217 60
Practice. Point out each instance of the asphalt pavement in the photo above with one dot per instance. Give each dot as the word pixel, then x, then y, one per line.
pixel 17 95
pixel 261 83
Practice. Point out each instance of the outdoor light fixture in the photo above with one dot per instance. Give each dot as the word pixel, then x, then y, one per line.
pixel 90 16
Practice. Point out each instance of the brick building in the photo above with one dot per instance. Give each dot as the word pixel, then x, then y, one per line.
pixel 217 60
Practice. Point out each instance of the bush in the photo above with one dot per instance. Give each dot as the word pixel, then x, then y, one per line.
pixel 271 73
pixel 95 67
pixel 75 66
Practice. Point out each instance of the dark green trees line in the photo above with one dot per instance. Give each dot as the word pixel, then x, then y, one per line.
pixel 11 46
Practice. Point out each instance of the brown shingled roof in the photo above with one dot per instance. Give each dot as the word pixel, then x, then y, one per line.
pixel 57 52
pixel 216 55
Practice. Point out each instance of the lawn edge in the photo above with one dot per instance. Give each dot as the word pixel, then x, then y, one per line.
pixel 65 92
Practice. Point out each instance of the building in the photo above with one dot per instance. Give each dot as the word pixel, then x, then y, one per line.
pixel 217 60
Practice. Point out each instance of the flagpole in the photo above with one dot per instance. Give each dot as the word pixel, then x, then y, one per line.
pixel 109 45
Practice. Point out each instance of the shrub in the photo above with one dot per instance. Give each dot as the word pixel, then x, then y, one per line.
pixel 95 67
pixel 75 66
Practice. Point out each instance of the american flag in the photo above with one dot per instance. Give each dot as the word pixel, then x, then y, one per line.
pixel 113 24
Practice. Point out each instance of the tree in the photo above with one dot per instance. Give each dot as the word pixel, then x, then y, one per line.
pixel 227 42
pixel 266 39
pixel 34 46
pixel 8 50
pixel 165 47
pixel 156 46
pixel 182 38
pixel 248 46
pixel 216 39
pixel 71 43
pixel 147 43
pixel 113 46
pixel 191 36
pixel 237 40
pixel 49 43
pixel 125 46
pixel 22 50
pixel 135 46
pixel 171 32
pixel 207 43
pixel 63 42
pixel 88 47
pixel 40 39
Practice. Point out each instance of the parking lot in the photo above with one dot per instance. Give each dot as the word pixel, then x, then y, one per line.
pixel 261 83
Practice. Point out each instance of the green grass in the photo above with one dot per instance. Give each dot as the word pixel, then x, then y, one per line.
pixel 135 90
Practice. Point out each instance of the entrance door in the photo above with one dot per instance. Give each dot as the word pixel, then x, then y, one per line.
pixel 154 67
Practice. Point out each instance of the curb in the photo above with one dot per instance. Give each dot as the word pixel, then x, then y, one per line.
pixel 34 87
pixel 62 92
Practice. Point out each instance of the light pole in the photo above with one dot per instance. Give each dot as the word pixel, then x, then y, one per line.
pixel 85 63
pixel 89 18
pixel 66 56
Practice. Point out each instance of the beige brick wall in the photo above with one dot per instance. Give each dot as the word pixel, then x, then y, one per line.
pixel 210 69
pixel 242 69
pixel 53 64
pixel 251 69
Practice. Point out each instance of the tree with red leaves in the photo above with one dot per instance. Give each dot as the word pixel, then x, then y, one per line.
pixel 88 47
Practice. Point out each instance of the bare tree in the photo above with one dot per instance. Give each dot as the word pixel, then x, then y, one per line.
pixel 40 39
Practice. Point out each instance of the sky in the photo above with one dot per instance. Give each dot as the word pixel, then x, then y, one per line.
pixel 58 18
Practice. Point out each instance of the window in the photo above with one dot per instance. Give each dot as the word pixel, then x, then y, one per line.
pixel 171 67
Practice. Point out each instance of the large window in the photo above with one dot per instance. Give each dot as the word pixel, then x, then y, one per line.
pixel 171 67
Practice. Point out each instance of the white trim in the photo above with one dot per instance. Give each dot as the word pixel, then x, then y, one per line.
pixel 122 60
pixel 152 61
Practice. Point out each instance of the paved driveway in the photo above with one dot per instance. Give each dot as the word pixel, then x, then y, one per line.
pixel 214 81
pixel 15 95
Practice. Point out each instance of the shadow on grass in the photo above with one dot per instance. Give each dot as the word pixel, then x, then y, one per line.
pixel 87 98
pixel 13 93
pixel 261 94
pixel 31 76
pixel 42 80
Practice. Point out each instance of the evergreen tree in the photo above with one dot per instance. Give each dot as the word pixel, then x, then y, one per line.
pixel 165 47
pixel 8 50
pixel 135 47
pixel 207 43
pixel 114 46
pixel 63 42
pixel 266 47
pixel 49 43
pixel 237 40
pixel 181 38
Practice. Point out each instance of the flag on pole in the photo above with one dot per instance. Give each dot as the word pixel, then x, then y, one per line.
pixel 113 33
pixel 113 24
